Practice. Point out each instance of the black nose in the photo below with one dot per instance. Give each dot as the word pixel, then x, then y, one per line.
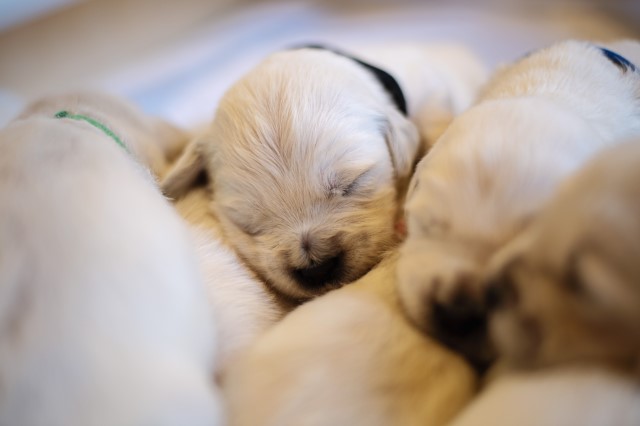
pixel 321 273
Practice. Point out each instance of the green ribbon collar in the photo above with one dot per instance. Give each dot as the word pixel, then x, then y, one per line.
pixel 94 123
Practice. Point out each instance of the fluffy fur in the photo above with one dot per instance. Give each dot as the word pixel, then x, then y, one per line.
pixel 495 166
pixel 103 315
pixel 555 398
pixel 243 306
pixel 308 160
pixel 348 358
pixel 567 289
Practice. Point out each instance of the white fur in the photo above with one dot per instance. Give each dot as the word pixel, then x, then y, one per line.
pixel 555 398
pixel 439 81
pixel 497 164
pixel 348 358
pixel 244 308
pixel 308 160
pixel 103 315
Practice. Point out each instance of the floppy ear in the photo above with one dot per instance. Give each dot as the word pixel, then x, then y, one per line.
pixel 171 139
pixel 185 171
pixel 403 143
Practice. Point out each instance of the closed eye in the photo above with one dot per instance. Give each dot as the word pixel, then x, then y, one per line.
pixel 250 230
pixel 345 188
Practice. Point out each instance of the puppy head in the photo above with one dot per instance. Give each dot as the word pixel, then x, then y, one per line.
pixel 599 84
pixel 476 188
pixel 567 289
pixel 306 157
pixel 154 142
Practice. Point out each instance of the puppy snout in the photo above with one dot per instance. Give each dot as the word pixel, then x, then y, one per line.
pixel 321 273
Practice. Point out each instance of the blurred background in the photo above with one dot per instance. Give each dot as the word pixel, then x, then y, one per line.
pixel 175 58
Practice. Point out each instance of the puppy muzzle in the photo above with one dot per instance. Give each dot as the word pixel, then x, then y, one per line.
pixel 319 275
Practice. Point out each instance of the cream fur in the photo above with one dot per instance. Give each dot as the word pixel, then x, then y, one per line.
pixel 496 165
pixel 103 315
pixel 555 398
pixel 440 81
pixel 348 358
pixel 308 160
pixel 568 288
pixel 244 308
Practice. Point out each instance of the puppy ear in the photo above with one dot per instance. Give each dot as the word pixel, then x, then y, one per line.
pixel 590 273
pixel 171 139
pixel 403 143
pixel 184 173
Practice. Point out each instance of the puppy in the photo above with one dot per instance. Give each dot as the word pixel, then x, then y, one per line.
pixel 103 314
pixel 308 158
pixel 495 166
pixel 348 358
pixel 567 290
pixel 243 306
pixel 556 397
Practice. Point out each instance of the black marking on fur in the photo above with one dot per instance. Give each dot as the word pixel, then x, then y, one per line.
pixel 620 61
pixel 388 82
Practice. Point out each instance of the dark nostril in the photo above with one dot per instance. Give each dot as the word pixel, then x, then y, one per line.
pixel 320 273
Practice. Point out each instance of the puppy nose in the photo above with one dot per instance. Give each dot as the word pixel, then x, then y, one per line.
pixel 319 274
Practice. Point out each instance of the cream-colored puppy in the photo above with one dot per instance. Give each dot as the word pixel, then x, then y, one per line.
pixel 243 306
pixel 567 290
pixel 495 166
pixel 308 158
pixel 556 397
pixel 348 358
pixel 103 314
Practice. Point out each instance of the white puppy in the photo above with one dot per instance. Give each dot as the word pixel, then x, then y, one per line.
pixel 495 166
pixel 308 157
pixel 103 315
pixel 567 289
pixel 243 306
pixel 348 358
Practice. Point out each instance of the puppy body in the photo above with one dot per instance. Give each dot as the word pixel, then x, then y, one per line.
pixel 103 318
pixel 556 397
pixel 493 169
pixel 308 159
pixel 440 81
pixel 348 358
pixel 568 286
pixel 243 306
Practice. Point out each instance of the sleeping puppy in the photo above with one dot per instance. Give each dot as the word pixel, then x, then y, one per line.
pixel 243 306
pixel 348 358
pixel 103 315
pixel 308 158
pixel 567 290
pixel 495 166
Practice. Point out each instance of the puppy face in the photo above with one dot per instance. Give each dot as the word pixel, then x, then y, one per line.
pixel 567 289
pixel 491 172
pixel 306 156
pixel 155 143
pixel 478 187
